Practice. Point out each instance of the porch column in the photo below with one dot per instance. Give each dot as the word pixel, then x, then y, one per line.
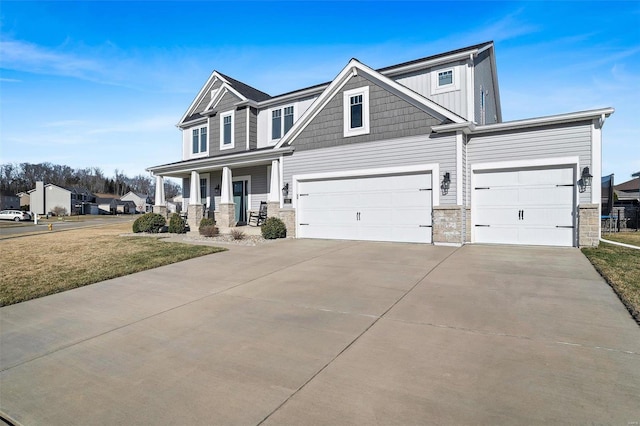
pixel 194 209
pixel 160 205
pixel 226 216
pixel 273 199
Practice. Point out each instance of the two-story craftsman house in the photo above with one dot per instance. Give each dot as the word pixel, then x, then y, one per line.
pixel 414 152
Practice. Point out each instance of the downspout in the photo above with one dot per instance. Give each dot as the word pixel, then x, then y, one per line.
pixel 619 244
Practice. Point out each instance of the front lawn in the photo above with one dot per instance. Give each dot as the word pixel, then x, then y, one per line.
pixel 620 266
pixel 46 263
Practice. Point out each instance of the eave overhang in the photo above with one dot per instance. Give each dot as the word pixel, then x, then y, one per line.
pixel 242 159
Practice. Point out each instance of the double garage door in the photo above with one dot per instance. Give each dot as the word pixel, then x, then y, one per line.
pixel 376 208
pixel 527 206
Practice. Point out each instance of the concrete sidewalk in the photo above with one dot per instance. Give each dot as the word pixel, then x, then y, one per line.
pixel 329 332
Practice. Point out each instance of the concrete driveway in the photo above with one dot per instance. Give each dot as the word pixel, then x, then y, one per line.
pixel 330 332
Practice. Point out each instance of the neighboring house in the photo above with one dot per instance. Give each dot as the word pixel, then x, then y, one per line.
pixel 107 203
pixel 627 202
pixel 126 207
pixel 174 205
pixel 24 199
pixel 76 201
pixel 142 202
pixel 414 152
pixel 9 201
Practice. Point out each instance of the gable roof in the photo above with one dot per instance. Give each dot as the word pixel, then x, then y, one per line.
pixel 353 68
pixel 245 90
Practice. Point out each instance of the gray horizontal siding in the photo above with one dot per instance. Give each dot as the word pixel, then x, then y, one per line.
pixel 389 153
pixel 390 117
pixel 542 142
pixel 227 103
pixel 253 128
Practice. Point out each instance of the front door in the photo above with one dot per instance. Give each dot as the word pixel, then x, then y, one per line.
pixel 240 200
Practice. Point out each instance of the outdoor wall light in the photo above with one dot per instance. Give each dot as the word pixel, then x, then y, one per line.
pixel 585 180
pixel 285 190
pixel 217 189
pixel 446 183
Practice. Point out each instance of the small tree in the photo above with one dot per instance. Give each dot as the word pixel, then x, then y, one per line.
pixel 59 211
pixel 177 225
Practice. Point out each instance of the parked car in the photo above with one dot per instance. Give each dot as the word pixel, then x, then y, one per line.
pixel 15 215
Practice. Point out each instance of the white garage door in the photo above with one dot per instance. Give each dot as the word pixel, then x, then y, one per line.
pixel 533 207
pixel 374 208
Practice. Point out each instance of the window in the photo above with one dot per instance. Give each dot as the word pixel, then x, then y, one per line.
pixel 196 144
pixel 277 124
pixel 203 139
pixel 203 190
pixel 356 112
pixel 288 119
pixel 445 80
pixel 199 140
pixel 226 130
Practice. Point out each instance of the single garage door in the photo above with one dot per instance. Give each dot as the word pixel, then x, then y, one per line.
pixel 533 206
pixel 374 208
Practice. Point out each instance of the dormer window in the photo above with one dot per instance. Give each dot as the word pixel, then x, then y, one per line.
pixel 356 112
pixel 281 124
pixel 445 80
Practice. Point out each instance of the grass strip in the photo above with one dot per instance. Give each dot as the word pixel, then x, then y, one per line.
pixel 44 264
pixel 620 267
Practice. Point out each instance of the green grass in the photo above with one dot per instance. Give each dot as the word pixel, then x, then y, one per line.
pixel 43 264
pixel 620 266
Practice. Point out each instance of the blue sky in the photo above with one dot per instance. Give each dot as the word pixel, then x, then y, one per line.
pixel 102 84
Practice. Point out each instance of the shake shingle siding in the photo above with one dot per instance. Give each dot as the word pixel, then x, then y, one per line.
pixel 563 140
pixel 387 153
pixel 390 117
pixel 253 128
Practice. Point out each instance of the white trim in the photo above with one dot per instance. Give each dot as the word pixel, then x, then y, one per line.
pixel 281 171
pixel 346 116
pixel 233 124
pixel 572 162
pixel 210 81
pixel 433 62
pixel 596 169
pixel 470 71
pixel 459 175
pixel 436 89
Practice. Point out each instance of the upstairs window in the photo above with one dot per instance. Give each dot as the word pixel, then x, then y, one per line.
pixel 226 130
pixel 356 112
pixel 280 124
pixel 445 80
pixel 199 140
pixel 276 115
pixel 203 139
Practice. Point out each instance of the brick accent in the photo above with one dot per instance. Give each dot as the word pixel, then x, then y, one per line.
pixel 447 224
pixel 273 209
pixel 588 225
pixel 226 215
pixel 161 210
pixel 288 216
pixel 467 237
pixel 194 216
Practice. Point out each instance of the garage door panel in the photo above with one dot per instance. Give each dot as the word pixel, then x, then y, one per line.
pixel 534 206
pixel 390 207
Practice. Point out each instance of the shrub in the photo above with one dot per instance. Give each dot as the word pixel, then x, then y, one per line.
pixel 237 234
pixel 59 211
pixel 177 225
pixel 208 227
pixel 149 222
pixel 274 228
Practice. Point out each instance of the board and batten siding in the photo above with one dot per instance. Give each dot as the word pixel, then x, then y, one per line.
pixel 390 117
pixel 483 76
pixel 388 153
pixel 562 140
pixel 420 82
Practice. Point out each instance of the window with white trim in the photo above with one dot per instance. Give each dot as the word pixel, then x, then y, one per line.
pixel 356 112
pixel 445 80
pixel 281 124
pixel 199 140
pixel 226 130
